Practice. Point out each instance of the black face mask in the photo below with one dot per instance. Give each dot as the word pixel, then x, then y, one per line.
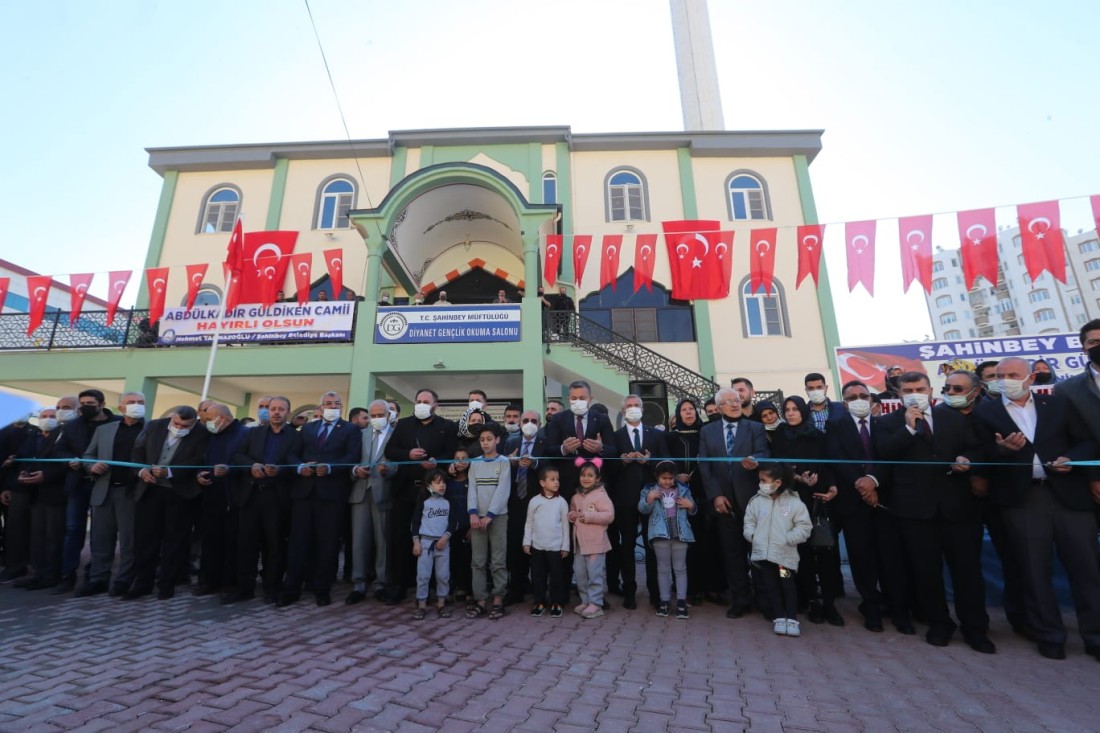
pixel 88 411
pixel 1043 378
pixel 1094 355
pixel 714 416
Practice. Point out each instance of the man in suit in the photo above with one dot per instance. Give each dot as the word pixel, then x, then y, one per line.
pixel 319 502
pixel 112 498
pixel 217 566
pixel 262 498
pixel 370 504
pixel 578 433
pixel 166 494
pixel 1083 390
pixel 524 449
pixel 635 444
pixel 44 483
pixel 1045 502
pixel 938 515
pixel 427 438
pixel 14 502
pixel 822 409
pixel 729 484
pixel 849 439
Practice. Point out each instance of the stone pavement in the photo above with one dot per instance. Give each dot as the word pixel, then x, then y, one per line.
pixel 190 664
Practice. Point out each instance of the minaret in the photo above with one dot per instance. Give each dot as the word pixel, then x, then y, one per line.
pixel 699 95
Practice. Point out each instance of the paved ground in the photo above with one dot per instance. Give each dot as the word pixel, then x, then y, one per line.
pixel 190 664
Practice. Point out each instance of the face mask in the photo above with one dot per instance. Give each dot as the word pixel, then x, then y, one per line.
pixel 331 414
pixel 1094 355
pixel 529 429
pixel 958 401
pixel 766 489
pixel 422 411
pixel 178 432
pixel 1043 378
pixel 511 427
pixel 88 411
pixel 379 423
pixel 264 414
pixel 633 414
pixel 1013 389
pixel 393 416
pixel 64 416
pixel 817 396
pixel 578 407
pixel 134 412
pixel 475 405
pixel 860 408
pixel 713 417
pixel 920 400
pixel 212 426
pixel 47 424
pixel 993 386
pixel 771 427
pixel 437 491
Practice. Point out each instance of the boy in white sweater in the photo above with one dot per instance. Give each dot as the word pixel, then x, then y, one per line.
pixel 546 540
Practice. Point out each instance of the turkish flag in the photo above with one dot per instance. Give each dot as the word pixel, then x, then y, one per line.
pixel 5 284
pixel 334 260
pixel 78 290
pixel 645 249
pixel 978 245
pixel 301 264
pixel 266 258
pixel 762 259
pixel 195 275
pixel 809 252
pixel 234 256
pixel 711 266
pixel 915 236
pixel 38 289
pixel 723 255
pixel 859 239
pixel 119 280
pixel 553 257
pixel 1041 239
pixel 233 293
pixel 582 247
pixel 1095 201
pixel 681 253
pixel 157 279
pixel 609 259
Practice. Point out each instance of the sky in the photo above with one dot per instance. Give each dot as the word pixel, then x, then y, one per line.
pixel 934 108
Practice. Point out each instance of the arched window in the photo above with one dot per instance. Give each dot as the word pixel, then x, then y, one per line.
pixel 939 283
pixel 627 196
pixel 220 207
pixel 1044 314
pixel 943 301
pixel 334 197
pixel 1036 296
pixel 948 317
pixel 763 314
pixel 953 335
pixel 747 196
pixel 208 295
pixel 549 187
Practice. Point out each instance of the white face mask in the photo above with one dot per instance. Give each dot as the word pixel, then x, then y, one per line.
pixel 766 489
pixel 817 396
pixel 64 416
pixel 476 405
pixel 178 432
pixel 422 410
pixel 212 426
pixel 135 412
pixel 773 426
pixel 578 407
pixel 393 416
pixel 633 414
pixel 529 429
pixel 958 401
pixel 1013 389
pixel 47 424
pixel 860 408
pixel 331 414
pixel 379 423
pixel 920 400
pixel 511 427
pixel 993 386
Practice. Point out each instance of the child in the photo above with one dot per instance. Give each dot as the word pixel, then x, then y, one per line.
pixel 669 533
pixel 487 505
pixel 457 492
pixel 590 512
pixel 546 540
pixel 433 525
pixel 776 523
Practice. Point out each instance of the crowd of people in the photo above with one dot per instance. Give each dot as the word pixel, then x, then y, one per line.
pixel 738 501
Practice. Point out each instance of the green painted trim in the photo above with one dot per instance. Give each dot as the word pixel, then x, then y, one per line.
pixel 245 407
pixel 534 173
pixel 565 200
pixel 278 191
pixel 824 294
pixel 704 339
pixel 602 377
pixel 160 231
pixel 427 155
pixel 398 163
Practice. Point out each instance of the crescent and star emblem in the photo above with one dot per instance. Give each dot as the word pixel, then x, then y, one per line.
pixel 303 268
pixel 611 250
pixel 706 245
pixel 159 283
pixel 269 247
pixel 976 239
pixel 646 250
pixel 39 292
pixel 684 252
pixel 549 248
pixel 810 241
pixel 337 263
pixel 914 238
pixel 855 241
pixel 720 249
pixel 1040 234
pixel 767 246
pixel 197 278
pixel 118 286
pixel 82 288
pixel 581 249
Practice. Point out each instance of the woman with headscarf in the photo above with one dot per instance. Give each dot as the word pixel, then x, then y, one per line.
pixel 1044 373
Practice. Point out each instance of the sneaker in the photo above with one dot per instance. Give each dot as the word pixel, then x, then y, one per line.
pixel 538 610
pixel 779 626
pixel 555 611
pixel 580 609
pixel 662 609
pixel 681 609
pixel 793 627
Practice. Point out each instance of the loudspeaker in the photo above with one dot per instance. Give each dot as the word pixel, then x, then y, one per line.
pixel 654 402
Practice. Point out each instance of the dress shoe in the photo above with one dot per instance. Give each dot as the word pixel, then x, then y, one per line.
pixel 981 644
pixel 356 596
pixel 134 593
pixel 117 590
pixel 1052 650
pixel 91 589
pixel 718 599
pixel 816 614
pixel 904 626
pixel 286 599
pixel 235 596
pixel 937 638
pixel 833 617
pixel 67 585
pixel 165 593
pixel 1023 629
pixel 873 622
pixel 735 612
pixel 1093 651
pixel 324 599
pixel 202 589
pixel 630 603
pixel 12 574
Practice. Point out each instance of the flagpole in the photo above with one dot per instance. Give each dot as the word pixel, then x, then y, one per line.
pixel 234 261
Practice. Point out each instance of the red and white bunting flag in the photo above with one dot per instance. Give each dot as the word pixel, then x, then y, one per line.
pixel 723 255
pixel 809 252
pixel 1095 201
pixel 859 239
pixel 609 260
pixel 681 248
pixel 157 279
pixel 711 281
pixel 582 247
pixel 334 261
pixel 119 280
pixel 302 264
pixel 1041 239
pixel 645 250
pixel 553 258
pixel 915 237
pixel 762 259
pixel 78 291
pixel 978 245
pixel 5 285
pixel 195 275
pixel 38 292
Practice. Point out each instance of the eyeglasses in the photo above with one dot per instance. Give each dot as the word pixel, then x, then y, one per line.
pixel 859 396
pixel 956 389
pixel 728 403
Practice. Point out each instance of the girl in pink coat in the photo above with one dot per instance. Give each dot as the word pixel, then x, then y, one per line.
pixel 590 511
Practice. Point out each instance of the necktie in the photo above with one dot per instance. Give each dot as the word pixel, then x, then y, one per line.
pixel 322 434
pixel 637 441
pixel 924 430
pixel 865 438
pixel 729 439
pixel 521 474
pixel 580 428
pixel 374 445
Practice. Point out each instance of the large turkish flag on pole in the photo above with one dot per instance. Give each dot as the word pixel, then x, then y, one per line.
pixel 685 242
pixel 609 259
pixel 266 257
pixel 195 275
pixel 645 249
pixel 809 252
pixel 78 286
pixel 119 280
pixel 915 237
pixel 978 245
pixel 859 238
pixel 582 247
pixel 552 258
pixel 38 291
pixel 1041 239
pixel 157 279
pixel 762 259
